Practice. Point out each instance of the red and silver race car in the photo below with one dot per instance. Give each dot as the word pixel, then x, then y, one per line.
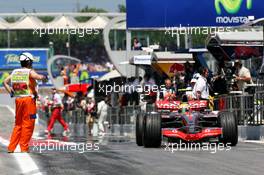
pixel 190 121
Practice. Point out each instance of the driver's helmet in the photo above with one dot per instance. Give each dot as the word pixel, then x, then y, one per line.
pixel 184 107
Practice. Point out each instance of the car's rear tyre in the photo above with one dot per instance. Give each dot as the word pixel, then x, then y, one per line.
pixel 139 129
pixel 229 129
pixel 152 130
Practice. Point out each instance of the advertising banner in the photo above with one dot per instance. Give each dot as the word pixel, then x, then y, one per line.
pixel 9 58
pixel 191 13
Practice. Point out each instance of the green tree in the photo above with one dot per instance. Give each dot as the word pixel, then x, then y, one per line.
pixel 87 9
pixel 93 9
pixel 121 8
pixel 46 18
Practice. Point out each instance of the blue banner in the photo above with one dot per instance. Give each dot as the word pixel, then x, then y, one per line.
pixel 193 13
pixel 84 77
pixel 9 58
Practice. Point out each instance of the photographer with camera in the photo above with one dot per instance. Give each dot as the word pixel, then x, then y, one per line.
pixel 243 76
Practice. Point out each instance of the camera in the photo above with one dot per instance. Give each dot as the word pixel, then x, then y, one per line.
pixel 229 72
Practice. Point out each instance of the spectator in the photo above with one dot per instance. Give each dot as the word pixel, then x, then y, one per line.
pixel 83 104
pixel 188 73
pixel 65 77
pixel 201 87
pixel 64 101
pixel 70 104
pixel 167 93
pixel 243 76
pixel 91 92
pixel 74 75
pixel 109 66
pixel 78 100
pixel 90 113
pixel 136 44
pixel 195 77
pixel 135 90
pixel 83 67
pixel 47 104
pixel 102 108
pixel 148 85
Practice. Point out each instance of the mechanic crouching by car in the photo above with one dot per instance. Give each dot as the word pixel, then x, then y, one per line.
pixel 201 87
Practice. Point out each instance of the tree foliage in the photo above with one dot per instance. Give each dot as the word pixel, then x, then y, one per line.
pixel 121 8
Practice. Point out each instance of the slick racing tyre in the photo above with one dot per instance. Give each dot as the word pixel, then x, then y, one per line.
pixel 229 128
pixel 139 129
pixel 152 130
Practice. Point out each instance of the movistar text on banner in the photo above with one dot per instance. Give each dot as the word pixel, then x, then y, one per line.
pixel 192 13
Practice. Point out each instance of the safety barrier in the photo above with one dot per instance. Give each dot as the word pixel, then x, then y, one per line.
pixel 76 120
pixel 76 116
pixel 122 120
pixel 248 108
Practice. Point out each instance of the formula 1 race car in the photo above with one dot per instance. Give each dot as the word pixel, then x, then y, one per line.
pixel 188 121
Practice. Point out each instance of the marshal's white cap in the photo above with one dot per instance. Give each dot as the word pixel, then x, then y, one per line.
pixel 26 56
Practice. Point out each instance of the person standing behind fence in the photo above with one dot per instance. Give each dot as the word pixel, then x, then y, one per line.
pixel 102 108
pixel 243 76
pixel 168 92
pixel 91 113
pixel 201 87
pixel 57 107
pixel 47 105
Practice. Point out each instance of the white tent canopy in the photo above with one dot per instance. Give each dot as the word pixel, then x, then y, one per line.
pixel 111 75
pixel 27 23
pixel 31 21
pixel 97 22
pixel 3 24
pixel 63 22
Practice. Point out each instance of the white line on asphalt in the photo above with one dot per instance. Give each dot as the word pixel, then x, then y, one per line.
pixel 26 163
pixel 9 108
pixel 254 141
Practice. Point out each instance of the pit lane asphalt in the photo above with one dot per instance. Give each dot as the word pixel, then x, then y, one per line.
pixel 120 158
pixel 127 158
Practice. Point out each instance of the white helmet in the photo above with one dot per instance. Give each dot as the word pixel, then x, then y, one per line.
pixel 26 56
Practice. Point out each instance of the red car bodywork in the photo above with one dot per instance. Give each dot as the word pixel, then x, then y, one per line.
pixel 205 133
pixel 193 106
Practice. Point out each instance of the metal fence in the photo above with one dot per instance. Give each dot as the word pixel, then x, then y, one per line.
pixel 122 120
pixel 248 108
pixel 75 117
